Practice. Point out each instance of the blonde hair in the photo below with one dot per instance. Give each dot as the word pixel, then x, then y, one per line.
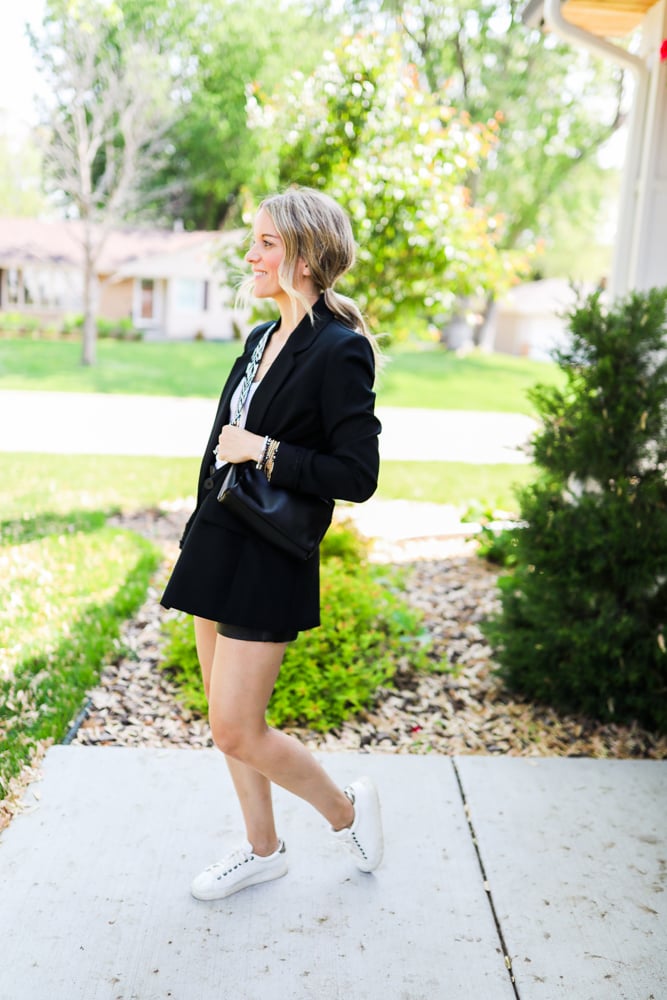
pixel 314 228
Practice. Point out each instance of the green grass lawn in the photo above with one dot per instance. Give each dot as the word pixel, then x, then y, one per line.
pixel 419 376
pixel 61 489
pixel 67 583
pixel 192 368
pixel 438 379
pixel 488 486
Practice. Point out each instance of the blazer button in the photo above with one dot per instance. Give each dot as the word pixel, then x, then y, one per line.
pixel 208 483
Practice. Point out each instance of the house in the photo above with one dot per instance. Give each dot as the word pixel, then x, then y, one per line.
pixel 169 283
pixel 531 320
pixel 640 248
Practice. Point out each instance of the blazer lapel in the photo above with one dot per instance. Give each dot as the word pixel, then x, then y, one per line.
pixel 281 369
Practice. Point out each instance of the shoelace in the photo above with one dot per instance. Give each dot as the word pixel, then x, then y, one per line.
pixel 357 843
pixel 233 861
pixel 353 836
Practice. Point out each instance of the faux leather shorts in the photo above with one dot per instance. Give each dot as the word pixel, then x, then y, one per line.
pixel 254 634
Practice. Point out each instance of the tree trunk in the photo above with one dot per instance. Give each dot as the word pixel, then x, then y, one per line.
pixel 485 333
pixel 89 344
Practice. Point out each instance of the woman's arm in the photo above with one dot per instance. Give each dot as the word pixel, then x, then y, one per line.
pixel 347 468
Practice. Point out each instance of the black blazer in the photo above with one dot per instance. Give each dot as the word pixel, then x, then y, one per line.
pixel 317 399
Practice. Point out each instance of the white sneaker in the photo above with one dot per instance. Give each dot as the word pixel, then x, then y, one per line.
pixel 364 838
pixel 238 870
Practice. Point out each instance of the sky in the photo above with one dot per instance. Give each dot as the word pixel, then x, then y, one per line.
pixel 19 81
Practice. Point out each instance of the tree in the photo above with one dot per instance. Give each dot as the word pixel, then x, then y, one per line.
pixel 398 159
pixel 584 612
pixel 489 63
pixel 218 52
pixel 104 127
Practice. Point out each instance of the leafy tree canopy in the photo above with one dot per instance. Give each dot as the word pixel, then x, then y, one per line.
pixel 218 53
pixel 364 128
pixel 556 104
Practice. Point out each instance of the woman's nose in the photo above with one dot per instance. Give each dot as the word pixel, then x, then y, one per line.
pixel 251 254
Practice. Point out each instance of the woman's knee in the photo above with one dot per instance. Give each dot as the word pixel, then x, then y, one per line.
pixel 232 737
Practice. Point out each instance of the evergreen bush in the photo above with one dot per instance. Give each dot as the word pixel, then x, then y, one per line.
pixel 584 610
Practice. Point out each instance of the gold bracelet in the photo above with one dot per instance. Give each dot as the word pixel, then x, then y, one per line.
pixel 270 458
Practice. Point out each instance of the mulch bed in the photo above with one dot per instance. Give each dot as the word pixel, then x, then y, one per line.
pixel 465 710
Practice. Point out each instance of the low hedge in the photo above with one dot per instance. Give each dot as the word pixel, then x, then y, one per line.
pixel 36 327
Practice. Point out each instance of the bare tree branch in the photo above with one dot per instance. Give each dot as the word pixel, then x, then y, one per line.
pixel 105 125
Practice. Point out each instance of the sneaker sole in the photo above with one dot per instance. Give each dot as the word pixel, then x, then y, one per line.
pixel 255 879
pixel 374 859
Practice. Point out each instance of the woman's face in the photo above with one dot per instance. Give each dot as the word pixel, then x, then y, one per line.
pixel 265 257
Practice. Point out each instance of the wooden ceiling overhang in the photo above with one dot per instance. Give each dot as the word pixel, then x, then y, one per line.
pixel 613 19
pixel 605 18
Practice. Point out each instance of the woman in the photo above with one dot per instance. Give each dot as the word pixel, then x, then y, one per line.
pixel 308 421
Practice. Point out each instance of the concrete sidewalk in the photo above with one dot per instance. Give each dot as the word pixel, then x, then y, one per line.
pixel 98 424
pixel 504 878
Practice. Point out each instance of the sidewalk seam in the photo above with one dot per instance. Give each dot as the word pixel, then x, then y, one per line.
pixel 501 937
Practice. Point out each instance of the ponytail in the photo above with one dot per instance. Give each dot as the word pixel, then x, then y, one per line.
pixel 316 229
pixel 348 312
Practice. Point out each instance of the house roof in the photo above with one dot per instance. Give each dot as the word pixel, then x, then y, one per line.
pixel 130 250
pixel 606 18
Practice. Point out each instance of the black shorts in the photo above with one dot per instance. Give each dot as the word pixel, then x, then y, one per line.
pixel 254 634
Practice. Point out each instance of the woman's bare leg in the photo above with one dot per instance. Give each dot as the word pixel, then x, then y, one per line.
pixel 253 791
pixel 252 788
pixel 242 678
pixel 205 638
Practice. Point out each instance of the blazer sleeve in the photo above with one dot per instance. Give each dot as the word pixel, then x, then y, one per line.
pixel 347 466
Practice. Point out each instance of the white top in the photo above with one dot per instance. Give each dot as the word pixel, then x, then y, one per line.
pixel 244 412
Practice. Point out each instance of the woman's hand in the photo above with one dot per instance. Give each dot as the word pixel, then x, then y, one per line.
pixel 238 445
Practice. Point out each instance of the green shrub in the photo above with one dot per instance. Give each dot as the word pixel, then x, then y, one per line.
pixel 16 322
pixel 11 321
pixel 498 547
pixel 583 617
pixel 119 329
pixel 344 542
pixel 332 672
pixel 26 323
pixel 72 323
pixel 495 544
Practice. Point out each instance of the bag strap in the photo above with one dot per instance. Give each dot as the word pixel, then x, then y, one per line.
pixel 250 372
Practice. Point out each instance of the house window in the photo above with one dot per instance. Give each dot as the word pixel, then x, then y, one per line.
pixel 13 286
pixel 39 287
pixel 30 289
pixel 42 287
pixel 147 303
pixel 191 295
